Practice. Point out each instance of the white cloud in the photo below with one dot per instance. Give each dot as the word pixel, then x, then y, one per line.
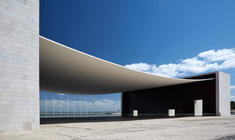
pixel 232 98
pixel 210 60
pixel 142 67
pixel 232 87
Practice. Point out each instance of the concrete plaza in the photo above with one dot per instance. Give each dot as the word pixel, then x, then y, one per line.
pixel 168 128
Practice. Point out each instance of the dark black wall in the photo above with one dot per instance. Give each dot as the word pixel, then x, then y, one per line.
pixel 157 101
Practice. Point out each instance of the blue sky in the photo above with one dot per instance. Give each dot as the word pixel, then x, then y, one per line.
pixel 156 36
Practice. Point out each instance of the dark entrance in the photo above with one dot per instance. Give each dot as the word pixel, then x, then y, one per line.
pixel 157 101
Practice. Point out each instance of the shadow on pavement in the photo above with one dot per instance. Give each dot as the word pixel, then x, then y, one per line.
pixel 108 118
pixel 231 137
pixel 95 119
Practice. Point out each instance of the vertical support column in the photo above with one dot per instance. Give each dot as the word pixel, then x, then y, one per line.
pixel 19 65
pixel 198 108
pixel 123 111
pixel 222 94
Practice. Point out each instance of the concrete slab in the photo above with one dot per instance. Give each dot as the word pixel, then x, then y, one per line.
pixel 198 107
pixel 192 128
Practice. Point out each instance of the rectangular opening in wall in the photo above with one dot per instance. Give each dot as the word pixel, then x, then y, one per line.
pixel 58 105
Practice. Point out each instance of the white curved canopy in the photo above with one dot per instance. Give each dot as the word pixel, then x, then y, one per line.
pixel 66 70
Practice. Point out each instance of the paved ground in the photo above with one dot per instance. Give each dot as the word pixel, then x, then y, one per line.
pixel 195 128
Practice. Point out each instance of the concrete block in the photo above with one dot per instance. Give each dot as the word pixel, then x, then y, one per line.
pixel 198 108
pixel 223 94
pixel 171 112
pixel 135 113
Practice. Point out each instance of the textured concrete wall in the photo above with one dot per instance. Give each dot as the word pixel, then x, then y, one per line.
pixel 19 64
pixel 222 94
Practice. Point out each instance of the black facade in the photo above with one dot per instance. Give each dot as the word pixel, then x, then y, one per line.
pixel 157 101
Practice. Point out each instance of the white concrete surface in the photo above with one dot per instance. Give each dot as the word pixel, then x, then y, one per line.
pixel 171 112
pixel 189 128
pixel 222 94
pixel 19 64
pixel 66 70
pixel 135 113
pixel 198 107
